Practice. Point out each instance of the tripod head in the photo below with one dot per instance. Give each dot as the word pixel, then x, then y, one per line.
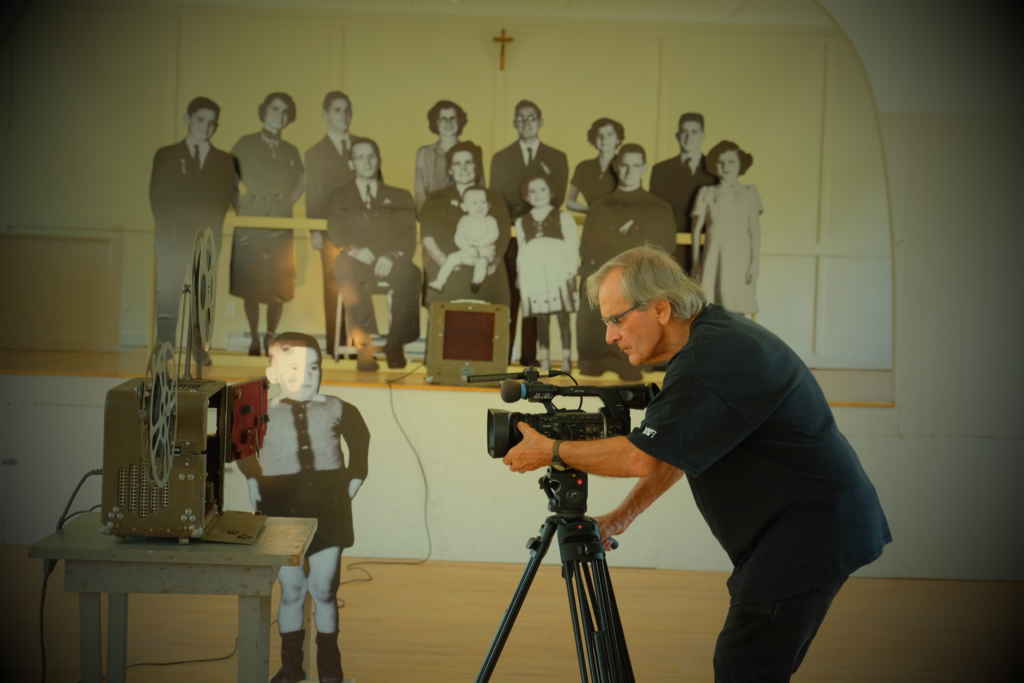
pixel 566 490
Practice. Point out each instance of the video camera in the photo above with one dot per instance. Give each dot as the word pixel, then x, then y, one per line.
pixel 559 423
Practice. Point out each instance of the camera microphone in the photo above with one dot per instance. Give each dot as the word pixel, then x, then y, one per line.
pixel 512 391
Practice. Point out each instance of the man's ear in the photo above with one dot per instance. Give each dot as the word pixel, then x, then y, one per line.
pixel 663 309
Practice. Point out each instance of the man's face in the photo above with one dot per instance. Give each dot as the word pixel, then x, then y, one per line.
pixel 631 170
pixel 474 203
pixel 691 137
pixel 296 370
pixel 337 116
pixel 202 124
pixel 364 161
pixel 448 122
pixel 528 123
pixel 463 169
pixel 636 333
pixel 275 116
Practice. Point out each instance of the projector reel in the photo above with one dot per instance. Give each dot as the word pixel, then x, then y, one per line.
pixel 159 411
pixel 204 286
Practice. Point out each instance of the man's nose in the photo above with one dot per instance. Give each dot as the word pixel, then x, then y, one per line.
pixel 611 334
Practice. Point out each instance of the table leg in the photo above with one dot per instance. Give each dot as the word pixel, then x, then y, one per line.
pixel 253 638
pixel 90 652
pixel 117 636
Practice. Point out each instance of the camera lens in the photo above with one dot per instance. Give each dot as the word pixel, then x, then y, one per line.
pixel 499 428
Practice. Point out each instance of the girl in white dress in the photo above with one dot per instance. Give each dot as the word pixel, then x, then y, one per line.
pixel 730 212
pixel 547 262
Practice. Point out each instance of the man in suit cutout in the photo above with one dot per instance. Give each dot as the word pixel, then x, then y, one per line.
pixel 191 187
pixel 375 227
pixel 677 180
pixel 327 169
pixel 524 158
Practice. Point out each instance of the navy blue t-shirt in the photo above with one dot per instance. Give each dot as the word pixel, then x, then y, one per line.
pixel 780 487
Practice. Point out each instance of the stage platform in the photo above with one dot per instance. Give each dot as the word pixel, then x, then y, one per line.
pixel 844 388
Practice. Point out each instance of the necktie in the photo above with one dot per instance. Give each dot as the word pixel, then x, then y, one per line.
pixel 529 155
pixel 305 449
pixel 195 149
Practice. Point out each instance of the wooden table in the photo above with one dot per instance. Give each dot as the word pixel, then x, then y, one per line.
pixel 97 563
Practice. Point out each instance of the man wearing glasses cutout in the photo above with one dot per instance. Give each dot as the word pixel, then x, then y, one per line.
pixel 744 419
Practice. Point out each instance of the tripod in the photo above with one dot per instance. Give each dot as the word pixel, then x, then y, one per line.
pixel 600 643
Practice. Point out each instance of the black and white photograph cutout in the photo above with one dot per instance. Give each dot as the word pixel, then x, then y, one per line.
pixel 446 120
pixel 374 224
pixel 191 187
pixel 628 217
pixel 525 157
pixel 730 213
pixel 328 168
pixel 678 179
pixel 262 259
pixel 313 462
pixel 595 178
pixel 440 219
pixel 547 262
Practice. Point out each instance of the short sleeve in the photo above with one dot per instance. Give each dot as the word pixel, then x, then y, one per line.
pixel 690 427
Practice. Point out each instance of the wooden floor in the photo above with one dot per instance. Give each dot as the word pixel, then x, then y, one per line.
pixel 434 623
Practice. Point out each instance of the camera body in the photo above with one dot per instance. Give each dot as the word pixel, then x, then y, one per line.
pixel 558 423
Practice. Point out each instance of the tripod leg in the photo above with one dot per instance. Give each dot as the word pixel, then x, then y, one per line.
pixel 538 546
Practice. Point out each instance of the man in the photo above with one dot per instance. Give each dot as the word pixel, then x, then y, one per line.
pixel 524 158
pixel 191 187
pixel 327 169
pixel 375 227
pixel 745 420
pixel 677 180
pixel 628 217
pixel 301 472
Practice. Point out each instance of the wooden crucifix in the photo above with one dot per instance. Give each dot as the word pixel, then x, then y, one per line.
pixel 504 39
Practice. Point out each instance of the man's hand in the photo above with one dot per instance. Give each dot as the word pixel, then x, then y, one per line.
pixel 611 524
pixel 383 267
pixel 533 452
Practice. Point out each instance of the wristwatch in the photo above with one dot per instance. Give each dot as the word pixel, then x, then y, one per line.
pixel 556 460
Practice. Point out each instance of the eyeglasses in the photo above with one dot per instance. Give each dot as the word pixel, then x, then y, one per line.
pixel 619 317
pixel 528 118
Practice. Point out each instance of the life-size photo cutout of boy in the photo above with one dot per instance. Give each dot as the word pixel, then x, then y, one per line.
pixel 302 472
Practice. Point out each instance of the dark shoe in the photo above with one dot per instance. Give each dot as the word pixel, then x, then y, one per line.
pixel 291 659
pixel 254 347
pixel 268 339
pixel 396 357
pixel 367 364
pixel 474 287
pixel 328 658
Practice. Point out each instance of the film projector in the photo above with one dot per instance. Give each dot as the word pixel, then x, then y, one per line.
pixel 168 435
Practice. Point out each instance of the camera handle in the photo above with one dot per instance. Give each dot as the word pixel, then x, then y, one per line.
pixel 600 642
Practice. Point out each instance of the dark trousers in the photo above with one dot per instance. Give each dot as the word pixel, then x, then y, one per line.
pixel 528 344
pixel 356 282
pixel 766 641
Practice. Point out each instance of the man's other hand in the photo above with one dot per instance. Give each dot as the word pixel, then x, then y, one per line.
pixel 533 452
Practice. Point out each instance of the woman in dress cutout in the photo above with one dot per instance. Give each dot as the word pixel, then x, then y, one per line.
pixel 730 213
pixel 595 177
